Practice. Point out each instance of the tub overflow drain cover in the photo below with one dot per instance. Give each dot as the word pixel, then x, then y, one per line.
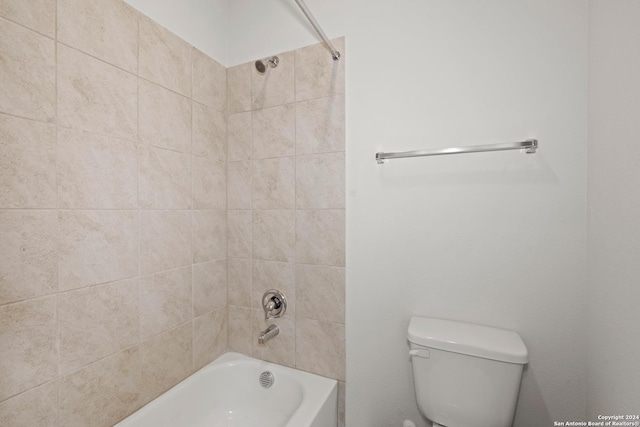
pixel 266 379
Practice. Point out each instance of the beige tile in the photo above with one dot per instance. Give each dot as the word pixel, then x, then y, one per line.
pixel 209 230
pixel 276 85
pixel 96 322
pixel 209 138
pixel 96 172
pixel 27 164
pixel 280 349
pixel 164 58
pixel 239 335
pixel 165 301
pixel 165 118
pixel 36 407
pixel 95 96
pixel 209 81
pixel 39 15
pixel 273 275
pixel 165 240
pixel 320 125
pixel 239 136
pixel 106 29
pixel 274 235
pixel 274 132
pixel 209 183
pixel 28 244
pixel 320 348
pixel 342 393
pixel 239 185
pixel 209 337
pixel 239 286
pixel 96 247
pixel 164 178
pixel 102 393
pixel 166 360
pixel 320 292
pixel 239 87
pixel 317 74
pixel 209 286
pixel 320 181
pixel 27 73
pixel 27 345
pixel 320 237
pixel 274 183
pixel 240 234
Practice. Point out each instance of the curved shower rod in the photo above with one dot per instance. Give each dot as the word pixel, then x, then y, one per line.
pixel 334 53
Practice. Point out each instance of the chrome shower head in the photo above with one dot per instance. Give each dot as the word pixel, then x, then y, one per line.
pixel 261 64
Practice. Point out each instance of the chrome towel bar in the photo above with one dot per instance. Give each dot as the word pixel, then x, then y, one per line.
pixel 530 146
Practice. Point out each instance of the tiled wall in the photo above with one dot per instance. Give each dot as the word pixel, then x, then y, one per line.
pixel 286 200
pixel 112 211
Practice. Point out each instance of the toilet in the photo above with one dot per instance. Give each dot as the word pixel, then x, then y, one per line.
pixel 465 375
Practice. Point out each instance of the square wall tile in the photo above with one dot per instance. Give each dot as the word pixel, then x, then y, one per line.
pixel 209 337
pixel 273 275
pixel 281 349
pixel 96 172
pixel 239 185
pixel 320 181
pixel 274 235
pixel 164 58
pixel 320 125
pixel 165 240
pixel 320 237
pixel 209 287
pixel 320 292
pixel 96 322
pixel 239 335
pixel 209 81
pixel 240 238
pixel 165 118
pixel 166 360
pixel 209 230
pixel 209 183
pixel 276 85
pixel 239 136
pixel 274 183
pixel 96 247
pixel 239 286
pixel 165 301
pixel 28 244
pixel 39 15
pixel 95 96
pixel 27 345
pixel 239 88
pixel 317 74
pixel 274 132
pixel 102 393
pixel 27 73
pixel 209 132
pixel 106 29
pixel 320 348
pixel 27 164
pixel 164 178
pixel 36 407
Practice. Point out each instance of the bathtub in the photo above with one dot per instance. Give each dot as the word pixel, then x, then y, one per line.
pixel 229 393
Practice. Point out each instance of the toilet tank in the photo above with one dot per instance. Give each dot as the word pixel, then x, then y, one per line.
pixel 466 375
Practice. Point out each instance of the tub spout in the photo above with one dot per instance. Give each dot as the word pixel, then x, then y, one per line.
pixel 268 333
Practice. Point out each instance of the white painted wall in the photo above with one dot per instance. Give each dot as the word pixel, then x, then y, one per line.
pixel 202 23
pixel 614 207
pixel 497 239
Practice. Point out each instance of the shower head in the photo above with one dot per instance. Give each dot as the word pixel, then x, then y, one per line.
pixel 261 64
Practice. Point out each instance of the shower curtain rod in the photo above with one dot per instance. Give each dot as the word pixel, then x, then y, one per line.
pixel 530 146
pixel 334 53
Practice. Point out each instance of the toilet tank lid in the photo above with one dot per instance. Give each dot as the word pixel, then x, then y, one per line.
pixel 468 338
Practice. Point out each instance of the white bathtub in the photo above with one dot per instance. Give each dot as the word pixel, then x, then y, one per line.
pixel 227 393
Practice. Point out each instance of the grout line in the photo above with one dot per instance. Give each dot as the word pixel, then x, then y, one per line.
pixel 11 21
